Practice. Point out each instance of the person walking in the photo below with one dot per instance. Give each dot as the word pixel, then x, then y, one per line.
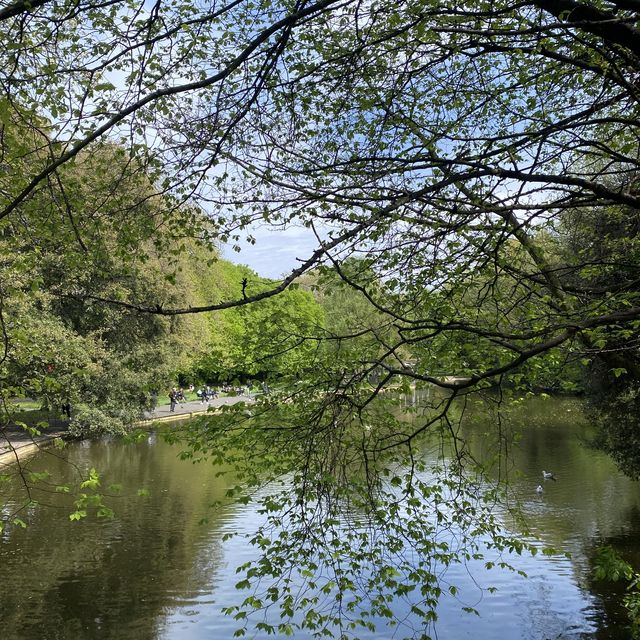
pixel 173 396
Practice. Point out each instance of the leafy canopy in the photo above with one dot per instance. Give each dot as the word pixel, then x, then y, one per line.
pixel 451 148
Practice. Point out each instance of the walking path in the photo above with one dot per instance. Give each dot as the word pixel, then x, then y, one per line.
pixel 16 443
pixel 187 410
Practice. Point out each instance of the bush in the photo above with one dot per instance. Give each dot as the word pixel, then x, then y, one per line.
pixel 89 421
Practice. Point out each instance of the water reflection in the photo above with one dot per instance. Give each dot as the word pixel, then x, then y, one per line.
pixel 115 578
pixel 158 571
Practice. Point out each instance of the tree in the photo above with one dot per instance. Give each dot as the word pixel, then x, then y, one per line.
pixel 426 139
pixel 82 235
pixel 600 257
pixel 530 112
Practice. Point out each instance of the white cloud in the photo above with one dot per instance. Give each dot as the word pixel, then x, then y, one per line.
pixel 275 252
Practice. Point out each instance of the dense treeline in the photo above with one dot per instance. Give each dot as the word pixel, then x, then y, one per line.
pixel 88 244
pixel 90 241
pixel 89 236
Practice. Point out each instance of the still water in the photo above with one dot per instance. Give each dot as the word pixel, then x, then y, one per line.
pixel 162 568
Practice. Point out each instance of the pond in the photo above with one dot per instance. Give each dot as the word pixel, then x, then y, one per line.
pixel 163 568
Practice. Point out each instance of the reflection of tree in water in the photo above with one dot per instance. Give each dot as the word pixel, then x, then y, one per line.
pixel 117 578
pixel 610 594
pixel 120 578
pixel 591 497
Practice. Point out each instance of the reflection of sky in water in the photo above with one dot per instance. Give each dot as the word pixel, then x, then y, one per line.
pixel 547 604
pixel 552 602
pixel 155 574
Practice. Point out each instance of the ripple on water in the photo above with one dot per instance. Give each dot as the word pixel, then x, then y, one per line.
pixel 155 573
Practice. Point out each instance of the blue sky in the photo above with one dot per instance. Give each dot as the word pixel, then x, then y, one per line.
pixel 276 252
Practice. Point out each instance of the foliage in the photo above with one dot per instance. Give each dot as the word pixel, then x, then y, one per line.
pixel 58 348
pixel 90 421
pixel 351 538
pixel 443 154
pixel 616 418
pixel 318 115
pixel 599 253
pixel 358 564
pixel 269 338
pixel 65 346
pixel 610 566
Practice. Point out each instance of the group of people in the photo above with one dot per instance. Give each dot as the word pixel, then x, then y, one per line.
pixel 208 393
pixel 178 396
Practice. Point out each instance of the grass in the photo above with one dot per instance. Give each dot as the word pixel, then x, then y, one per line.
pixel 26 404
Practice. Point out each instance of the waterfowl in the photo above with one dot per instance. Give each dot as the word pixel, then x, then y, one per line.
pixel 548 475
pixel 539 489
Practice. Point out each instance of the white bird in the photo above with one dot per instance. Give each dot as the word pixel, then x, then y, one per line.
pixel 548 475
pixel 539 489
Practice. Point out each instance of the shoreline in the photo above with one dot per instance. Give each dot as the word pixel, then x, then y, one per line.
pixel 17 444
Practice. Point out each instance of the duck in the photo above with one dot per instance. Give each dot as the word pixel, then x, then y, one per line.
pixel 548 475
pixel 539 489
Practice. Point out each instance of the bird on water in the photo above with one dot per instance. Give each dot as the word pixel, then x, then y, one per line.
pixel 548 475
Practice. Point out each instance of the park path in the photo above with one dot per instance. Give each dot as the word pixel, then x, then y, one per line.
pixel 16 443
pixel 186 410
